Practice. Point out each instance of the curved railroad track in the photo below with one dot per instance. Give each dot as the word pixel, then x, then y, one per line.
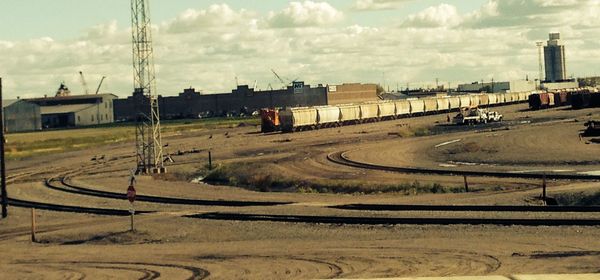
pixel 73 209
pixel 341 158
pixel 62 184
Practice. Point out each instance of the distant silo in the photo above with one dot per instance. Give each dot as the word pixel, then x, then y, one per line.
pixel 554 57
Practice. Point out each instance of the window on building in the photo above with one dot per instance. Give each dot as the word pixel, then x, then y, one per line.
pixel 105 105
pixel 92 117
pixel 78 119
pixel 100 117
pixel 107 117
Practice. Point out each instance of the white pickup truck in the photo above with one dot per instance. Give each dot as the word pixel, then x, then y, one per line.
pixel 474 115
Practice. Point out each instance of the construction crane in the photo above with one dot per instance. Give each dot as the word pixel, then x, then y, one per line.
pixel 83 83
pixel 279 78
pixel 149 149
pixel 100 84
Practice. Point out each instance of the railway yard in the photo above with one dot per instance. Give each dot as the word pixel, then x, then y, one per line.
pixel 375 200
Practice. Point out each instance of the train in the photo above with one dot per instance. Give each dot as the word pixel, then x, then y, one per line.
pixel 308 118
pixel 578 98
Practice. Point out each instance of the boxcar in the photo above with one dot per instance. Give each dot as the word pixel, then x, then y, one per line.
pixel 594 99
pixel 294 119
pixel 387 110
pixel 349 114
pixel 328 116
pixel 369 112
pixel 402 107
pixel 580 100
pixel 417 106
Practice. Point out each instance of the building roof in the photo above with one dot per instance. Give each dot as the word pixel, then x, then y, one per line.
pixel 8 102
pixel 62 109
pixel 71 97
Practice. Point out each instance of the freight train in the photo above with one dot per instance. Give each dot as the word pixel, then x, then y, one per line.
pixel 578 98
pixel 307 118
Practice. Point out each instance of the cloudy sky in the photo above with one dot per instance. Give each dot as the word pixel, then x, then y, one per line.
pixel 207 44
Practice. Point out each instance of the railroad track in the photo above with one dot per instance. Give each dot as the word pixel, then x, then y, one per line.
pixel 341 158
pixel 394 221
pixel 72 209
pixel 62 184
pixel 469 208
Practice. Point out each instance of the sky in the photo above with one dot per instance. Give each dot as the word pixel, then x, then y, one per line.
pixel 209 45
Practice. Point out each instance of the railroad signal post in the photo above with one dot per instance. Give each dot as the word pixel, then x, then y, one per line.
pixel 131 198
pixel 33 226
pixel 544 189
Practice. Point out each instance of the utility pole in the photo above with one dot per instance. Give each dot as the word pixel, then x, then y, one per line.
pixel 148 137
pixel 541 68
pixel 2 163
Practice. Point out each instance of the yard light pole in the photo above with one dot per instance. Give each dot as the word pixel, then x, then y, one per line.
pixel 2 165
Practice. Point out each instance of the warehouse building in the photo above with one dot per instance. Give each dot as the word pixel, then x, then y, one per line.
pixel 352 93
pixel 21 116
pixel 75 110
pixel 498 87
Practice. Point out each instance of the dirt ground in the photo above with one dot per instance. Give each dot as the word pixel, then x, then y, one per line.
pixel 169 244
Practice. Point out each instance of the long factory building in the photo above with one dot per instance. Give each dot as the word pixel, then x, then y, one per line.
pixel 65 110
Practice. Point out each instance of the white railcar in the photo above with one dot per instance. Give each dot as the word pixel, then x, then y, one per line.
pixel 328 116
pixel 349 113
pixel 402 107
pixel 417 106
pixel 295 119
pixel 387 110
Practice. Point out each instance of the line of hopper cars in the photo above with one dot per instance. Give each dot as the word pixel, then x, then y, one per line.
pixel 307 118
pixel 578 98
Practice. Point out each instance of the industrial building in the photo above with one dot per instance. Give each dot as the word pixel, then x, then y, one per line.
pixel 75 110
pixel 21 116
pixel 554 58
pixel 498 87
pixel 566 84
pixel 352 93
pixel 242 100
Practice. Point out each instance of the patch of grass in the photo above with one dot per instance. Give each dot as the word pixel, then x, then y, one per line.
pixel 23 145
pixel 578 199
pixel 421 131
pixel 257 179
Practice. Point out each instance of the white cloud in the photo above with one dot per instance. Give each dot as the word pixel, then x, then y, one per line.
pixel 216 15
pixel 443 15
pixel 307 13
pixel 371 5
